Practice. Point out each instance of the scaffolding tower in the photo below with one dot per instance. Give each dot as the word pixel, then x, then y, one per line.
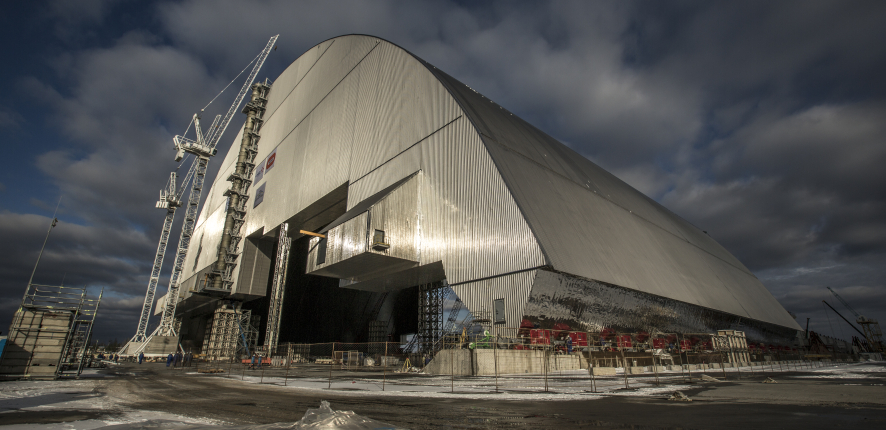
pixel 430 315
pixel 232 333
pixel 50 333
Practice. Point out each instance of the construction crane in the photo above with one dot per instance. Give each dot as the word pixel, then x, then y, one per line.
pixel 871 327
pixel 168 201
pixel 202 148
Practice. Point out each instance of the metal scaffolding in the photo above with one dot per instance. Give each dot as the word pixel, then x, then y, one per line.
pixel 430 315
pixel 278 288
pixel 50 332
pixel 232 333
pixel 238 194
pixel 202 149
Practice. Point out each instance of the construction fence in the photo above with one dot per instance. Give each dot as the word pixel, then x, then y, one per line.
pixel 524 360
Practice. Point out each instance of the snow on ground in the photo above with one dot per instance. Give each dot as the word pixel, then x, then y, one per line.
pixel 566 385
pixel 846 371
pixel 562 385
pixel 81 396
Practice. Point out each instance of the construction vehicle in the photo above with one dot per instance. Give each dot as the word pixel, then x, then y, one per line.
pixel 870 327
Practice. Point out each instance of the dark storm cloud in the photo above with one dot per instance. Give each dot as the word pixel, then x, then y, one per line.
pixel 76 255
pixel 759 122
pixel 118 113
pixel 858 279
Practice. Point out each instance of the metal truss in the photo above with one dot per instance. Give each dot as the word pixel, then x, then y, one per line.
pixel 278 288
pixel 202 149
pixel 241 182
pixel 430 315
pixel 232 333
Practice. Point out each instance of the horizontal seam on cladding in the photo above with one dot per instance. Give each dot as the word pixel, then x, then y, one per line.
pixel 497 276
pixel 407 149
pixel 302 79
pixel 293 89
pixel 324 97
pixel 614 203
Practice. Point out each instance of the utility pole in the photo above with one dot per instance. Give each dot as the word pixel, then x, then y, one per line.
pixel 51 225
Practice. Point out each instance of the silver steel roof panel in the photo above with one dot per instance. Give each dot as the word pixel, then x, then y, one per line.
pixel 356 110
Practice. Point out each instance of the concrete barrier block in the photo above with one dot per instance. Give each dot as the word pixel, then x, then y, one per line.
pixel 635 370
pixel 603 371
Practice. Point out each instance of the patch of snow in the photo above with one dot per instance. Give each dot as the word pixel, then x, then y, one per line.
pixel 81 395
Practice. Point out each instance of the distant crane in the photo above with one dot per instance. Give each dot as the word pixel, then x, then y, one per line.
pixel 171 198
pixel 871 327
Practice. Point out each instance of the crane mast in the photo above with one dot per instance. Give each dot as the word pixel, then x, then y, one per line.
pixel 168 201
pixel 857 315
pixel 203 148
pixel 167 322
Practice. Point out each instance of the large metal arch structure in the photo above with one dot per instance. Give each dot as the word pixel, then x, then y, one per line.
pixel 363 136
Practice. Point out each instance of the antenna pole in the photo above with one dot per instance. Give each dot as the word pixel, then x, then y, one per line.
pixel 51 225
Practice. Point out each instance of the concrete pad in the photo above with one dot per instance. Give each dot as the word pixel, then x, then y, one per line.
pixel 603 371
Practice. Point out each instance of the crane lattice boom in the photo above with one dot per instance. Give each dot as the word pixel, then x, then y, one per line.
pixel 171 198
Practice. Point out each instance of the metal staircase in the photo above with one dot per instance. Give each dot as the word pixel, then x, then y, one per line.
pixel 77 348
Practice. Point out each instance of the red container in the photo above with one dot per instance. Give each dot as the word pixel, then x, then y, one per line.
pixel 539 337
pixel 624 341
pixel 659 344
pixel 579 339
pixel 685 345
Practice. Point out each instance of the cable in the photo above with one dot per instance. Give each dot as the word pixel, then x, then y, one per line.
pixel 229 84
pixel 185 160
pixel 829 319
pixel 189 127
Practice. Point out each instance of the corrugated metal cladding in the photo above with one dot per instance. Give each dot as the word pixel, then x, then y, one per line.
pixel 496 197
pixel 592 224
pixel 585 304
pixel 468 219
pixel 255 267
pixel 397 216
pixel 363 111
pixel 479 296
pixel 343 242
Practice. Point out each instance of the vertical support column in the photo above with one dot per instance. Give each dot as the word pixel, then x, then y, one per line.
pixel 238 193
pixel 278 288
